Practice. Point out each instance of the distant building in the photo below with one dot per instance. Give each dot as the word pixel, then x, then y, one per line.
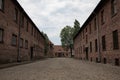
pixel 20 39
pixel 59 51
pixel 50 50
pixel 99 37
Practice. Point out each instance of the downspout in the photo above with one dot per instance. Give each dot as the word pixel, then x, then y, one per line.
pixel 99 54
pixel 18 55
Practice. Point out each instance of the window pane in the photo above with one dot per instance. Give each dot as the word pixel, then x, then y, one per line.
pixel 26 44
pixel 21 42
pixel 115 40
pixel 1 35
pixel 1 3
pixel 14 40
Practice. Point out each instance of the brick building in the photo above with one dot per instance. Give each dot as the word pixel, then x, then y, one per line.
pixel 20 39
pixel 59 51
pixel 99 37
pixel 50 50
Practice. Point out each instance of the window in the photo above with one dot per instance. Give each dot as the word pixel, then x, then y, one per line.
pixel 27 25
pixel 86 39
pixel 86 29
pixel 102 17
pixel 26 44
pixel 83 34
pixel 113 7
pixel 1 35
pixel 90 46
pixel 96 46
pixel 32 31
pixel 21 42
pixel 22 20
pixel 103 43
pixel 14 40
pixel 16 15
pixel 90 28
pixel 1 4
pixel 115 40
pixel 95 23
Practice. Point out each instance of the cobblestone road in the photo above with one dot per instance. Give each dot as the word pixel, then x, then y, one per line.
pixel 61 69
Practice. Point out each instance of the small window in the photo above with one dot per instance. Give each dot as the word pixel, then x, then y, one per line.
pixel 115 40
pixel 102 17
pixel 22 20
pixel 1 4
pixel 26 44
pixel 86 39
pixel 83 34
pixel 16 15
pixel 113 7
pixel 1 35
pixel 14 40
pixel 103 43
pixel 27 25
pixel 32 31
pixel 21 42
pixel 90 28
pixel 95 23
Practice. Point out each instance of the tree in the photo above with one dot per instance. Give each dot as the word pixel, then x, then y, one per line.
pixel 67 37
pixel 76 27
pixel 46 43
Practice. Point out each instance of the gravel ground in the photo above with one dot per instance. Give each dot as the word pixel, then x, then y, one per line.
pixel 61 69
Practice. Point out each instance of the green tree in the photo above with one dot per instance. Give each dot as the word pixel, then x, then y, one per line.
pixel 76 27
pixel 67 37
pixel 46 43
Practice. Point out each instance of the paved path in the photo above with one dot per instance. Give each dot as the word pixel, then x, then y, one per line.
pixel 61 69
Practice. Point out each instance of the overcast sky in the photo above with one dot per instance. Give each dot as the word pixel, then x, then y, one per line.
pixel 51 16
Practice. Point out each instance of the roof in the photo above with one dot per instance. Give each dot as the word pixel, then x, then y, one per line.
pixel 92 15
pixel 23 11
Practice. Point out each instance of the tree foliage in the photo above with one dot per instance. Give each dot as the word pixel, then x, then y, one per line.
pixel 76 27
pixel 67 34
pixel 46 43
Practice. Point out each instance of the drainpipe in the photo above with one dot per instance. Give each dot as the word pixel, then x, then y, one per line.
pixel 18 55
pixel 99 54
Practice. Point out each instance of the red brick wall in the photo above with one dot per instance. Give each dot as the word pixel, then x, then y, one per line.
pixel 8 53
pixel 111 24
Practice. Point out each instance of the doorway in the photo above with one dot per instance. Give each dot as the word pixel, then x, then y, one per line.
pixel 86 50
pixel 31 53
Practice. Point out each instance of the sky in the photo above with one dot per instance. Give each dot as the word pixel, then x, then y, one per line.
pixel 51 16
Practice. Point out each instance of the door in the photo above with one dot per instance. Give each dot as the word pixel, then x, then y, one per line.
pixel 87 53
pixel 31 55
